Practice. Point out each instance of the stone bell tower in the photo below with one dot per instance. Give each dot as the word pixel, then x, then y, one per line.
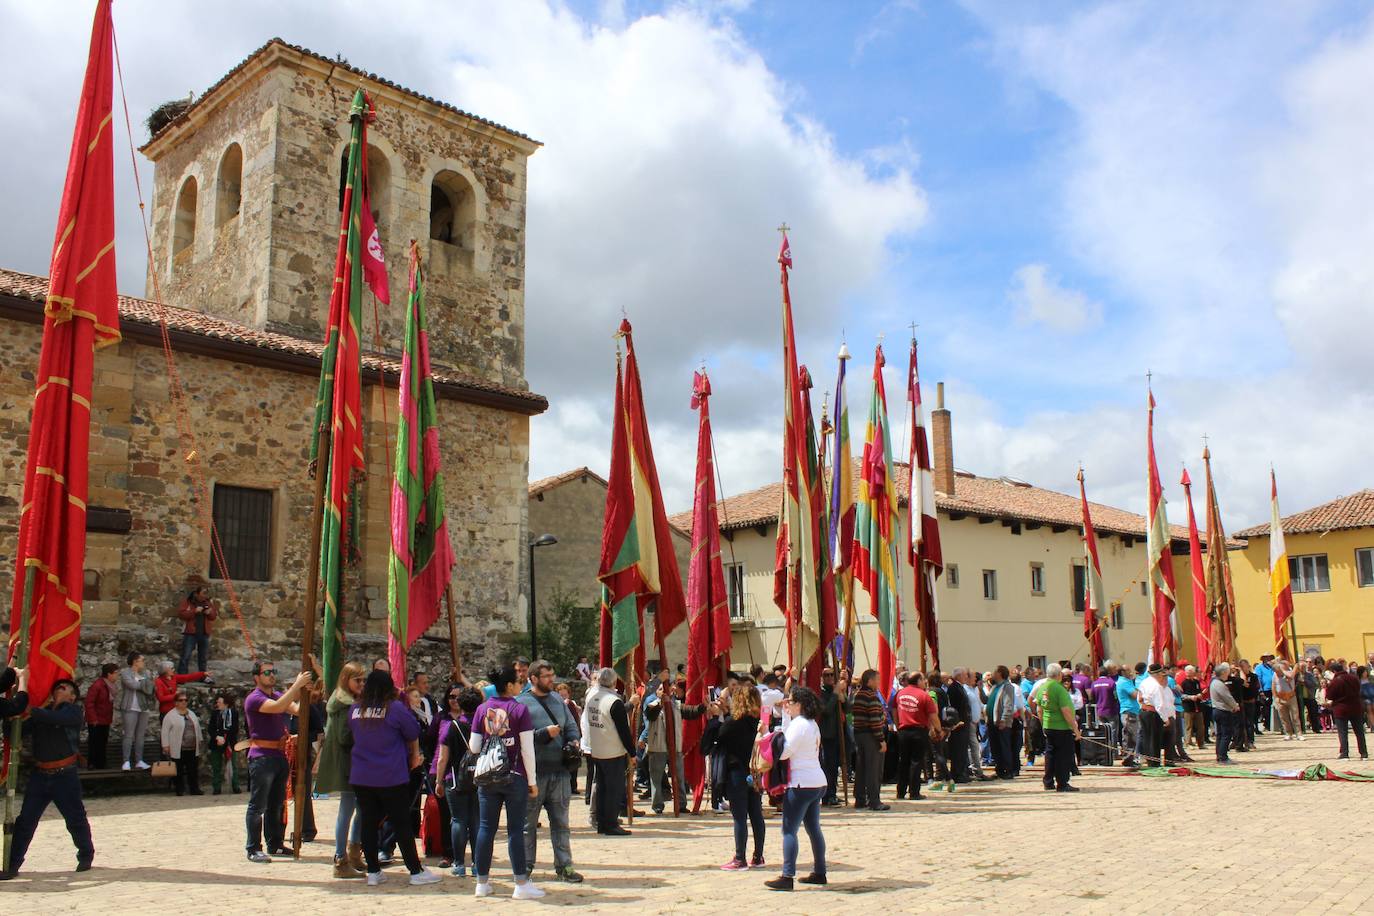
pixel 246 208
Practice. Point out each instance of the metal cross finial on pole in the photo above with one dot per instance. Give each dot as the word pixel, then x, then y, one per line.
pixel 784 228
pixel 913 327
pixel 1149 379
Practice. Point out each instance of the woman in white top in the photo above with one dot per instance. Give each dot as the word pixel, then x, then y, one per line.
pixel 806 785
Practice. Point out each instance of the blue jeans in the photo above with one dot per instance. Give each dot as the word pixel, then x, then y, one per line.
pixel 1226 725
pixel 802 808
pixel 514 796
pixel 343 833
pixel 462 808
pixel 190 642
pixel 746 810
pixel 266 796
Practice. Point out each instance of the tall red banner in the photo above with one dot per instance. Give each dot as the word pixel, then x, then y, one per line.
pixel 81 314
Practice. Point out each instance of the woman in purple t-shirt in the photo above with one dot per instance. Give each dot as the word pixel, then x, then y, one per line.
pixel 385 749
pixel 505 719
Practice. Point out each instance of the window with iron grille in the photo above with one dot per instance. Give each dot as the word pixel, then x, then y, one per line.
pixel 243 518
pixel 734 589
pixel 1118 618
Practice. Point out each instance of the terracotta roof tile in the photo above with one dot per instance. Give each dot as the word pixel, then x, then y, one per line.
pixel 548 483
pixel 988 497
pixel 1353 511
pixel 341 65
pixel 150 315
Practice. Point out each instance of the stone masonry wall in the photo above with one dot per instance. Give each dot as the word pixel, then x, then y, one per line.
pixel 252 426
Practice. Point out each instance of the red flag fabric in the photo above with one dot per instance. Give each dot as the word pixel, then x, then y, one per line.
pixel 923 525
pixel 81 314
pixel 1095 610
pixel 622 617
pixel 1202 623
pixel 1160 557
pixel 372 256
pixel 708 613
pixel 1280 583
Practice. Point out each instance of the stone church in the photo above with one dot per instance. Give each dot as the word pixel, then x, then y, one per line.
pixel 245 216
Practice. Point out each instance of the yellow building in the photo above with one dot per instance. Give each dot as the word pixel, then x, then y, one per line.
pixel 1012 592
pixel 1331 561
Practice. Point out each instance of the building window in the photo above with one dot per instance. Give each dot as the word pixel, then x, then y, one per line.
pixel 228 186
pixel 452 211
pixel 952 575
pixel 734 589
pixel 990 584
pixel 90 585
pixel 1080 588
pixel 1144 587
pixel 378 185
pixel 1118 618
pixel 1364 565
pixel 243 518
pixel 1310 573
pixel 184 221
pixel 1037 573
pixel 1037 662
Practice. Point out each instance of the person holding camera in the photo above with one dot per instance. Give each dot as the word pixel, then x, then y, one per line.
pixel 557 751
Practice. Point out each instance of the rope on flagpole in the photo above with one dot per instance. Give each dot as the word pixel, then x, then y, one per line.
pixel 185 430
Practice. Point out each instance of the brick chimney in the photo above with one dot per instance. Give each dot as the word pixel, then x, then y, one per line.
pixel 942 442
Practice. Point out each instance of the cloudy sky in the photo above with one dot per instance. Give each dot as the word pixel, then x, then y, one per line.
pixel 1062 196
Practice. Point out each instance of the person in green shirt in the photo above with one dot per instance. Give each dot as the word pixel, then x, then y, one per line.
pixel 1060 726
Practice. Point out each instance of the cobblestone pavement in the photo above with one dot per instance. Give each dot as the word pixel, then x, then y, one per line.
pixel 1125 844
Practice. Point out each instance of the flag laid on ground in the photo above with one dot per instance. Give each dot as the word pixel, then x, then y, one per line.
pixel 803 584
pixel 876 524
pixel 337 430
pixel 1160 558
pixel 1094 594
pixel 842 521
pixel 636 537
pixel 1202 622
pixel 1221 593
pixel 80 315
pixel 708 611
pixel 923 550
pixel 421 558
pixel 1280 584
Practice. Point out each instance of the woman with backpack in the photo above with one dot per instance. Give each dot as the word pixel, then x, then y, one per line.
pixel 735 740
pixel 333 771
pixel 801 806
pixel 386 748
pixel 453 774
pixel 503 737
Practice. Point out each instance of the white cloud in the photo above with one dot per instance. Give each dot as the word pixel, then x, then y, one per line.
pixel 1233 235
pixel 671 153
pixel 1038 298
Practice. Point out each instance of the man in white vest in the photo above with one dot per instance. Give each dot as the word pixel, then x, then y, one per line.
pixel 607 740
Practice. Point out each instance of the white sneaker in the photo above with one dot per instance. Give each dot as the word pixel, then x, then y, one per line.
pixel 1287 737
pixel 483 889
pixel 425 876
pixel 1302 738
pixel 142 765
pixel 126 767
pixel 526 891
pixel 375 878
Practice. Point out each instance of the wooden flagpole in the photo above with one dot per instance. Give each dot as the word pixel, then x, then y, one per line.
pixel 634 730
pixel 308 614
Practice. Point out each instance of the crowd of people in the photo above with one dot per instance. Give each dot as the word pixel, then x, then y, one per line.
pixel 515 742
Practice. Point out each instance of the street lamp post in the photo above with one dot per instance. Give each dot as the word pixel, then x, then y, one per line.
pixel 544 540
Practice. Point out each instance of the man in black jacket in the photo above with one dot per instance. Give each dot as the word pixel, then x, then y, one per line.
pixel 56 730
pixel 224 734
pixel 957 697
pixel 831 724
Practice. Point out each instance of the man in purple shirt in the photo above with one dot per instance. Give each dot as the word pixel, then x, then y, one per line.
pixel 1104 700
pixel 265 711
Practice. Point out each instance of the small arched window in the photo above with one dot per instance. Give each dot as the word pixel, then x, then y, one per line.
pixel 184 221
pixel 378 185
pixel 228 193
pixel 452 210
